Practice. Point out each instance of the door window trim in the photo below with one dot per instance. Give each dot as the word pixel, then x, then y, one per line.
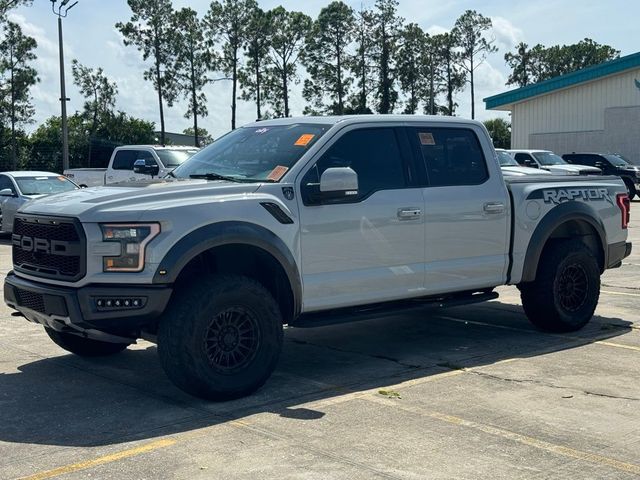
pixel 420 161
pixel 408 164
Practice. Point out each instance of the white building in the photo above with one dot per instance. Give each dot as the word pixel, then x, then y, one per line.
pixel 596 109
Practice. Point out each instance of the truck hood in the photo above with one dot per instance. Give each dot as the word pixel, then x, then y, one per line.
pixel 569 169
pixel 521 171
pixel 127 202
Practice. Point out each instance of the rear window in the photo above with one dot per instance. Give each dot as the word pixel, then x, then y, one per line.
pixel 173 158
pixel 452 156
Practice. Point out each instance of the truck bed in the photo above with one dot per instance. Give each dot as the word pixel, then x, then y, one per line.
pixel 539 201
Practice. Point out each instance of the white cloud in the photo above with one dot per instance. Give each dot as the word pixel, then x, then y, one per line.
pixel 506 34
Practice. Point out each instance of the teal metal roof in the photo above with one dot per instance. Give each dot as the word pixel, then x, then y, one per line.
pixel 575 78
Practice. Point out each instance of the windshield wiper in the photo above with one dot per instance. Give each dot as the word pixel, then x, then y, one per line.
pixel 214 176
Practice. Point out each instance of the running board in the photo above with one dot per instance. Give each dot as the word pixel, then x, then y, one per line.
pixel 368 312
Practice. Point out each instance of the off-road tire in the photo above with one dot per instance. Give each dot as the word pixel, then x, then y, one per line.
pixel 631 189
pixel 221 337
pixel 84 347
pixel 565 292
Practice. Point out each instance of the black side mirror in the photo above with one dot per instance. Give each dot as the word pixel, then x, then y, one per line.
pixel 146 167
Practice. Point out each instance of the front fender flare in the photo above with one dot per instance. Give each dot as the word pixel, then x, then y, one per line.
pixel 228 233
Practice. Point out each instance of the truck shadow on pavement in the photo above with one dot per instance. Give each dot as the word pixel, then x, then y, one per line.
pixel 70 401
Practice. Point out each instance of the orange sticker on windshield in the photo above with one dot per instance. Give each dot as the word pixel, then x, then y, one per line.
pixel 426 138
pixel 277 173
pixel 304 140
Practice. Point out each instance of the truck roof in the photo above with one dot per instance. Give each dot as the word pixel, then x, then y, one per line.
pixel 158 147
pixel 31 173
pixel 351 119
pixel 524 150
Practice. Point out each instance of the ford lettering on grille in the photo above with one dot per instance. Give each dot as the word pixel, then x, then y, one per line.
pixel 42 245
pixel 50 248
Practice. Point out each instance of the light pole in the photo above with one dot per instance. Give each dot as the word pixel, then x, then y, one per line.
pixel 62 11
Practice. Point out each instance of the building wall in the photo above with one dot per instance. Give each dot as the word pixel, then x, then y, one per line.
pixel 621 134
pixel 579 110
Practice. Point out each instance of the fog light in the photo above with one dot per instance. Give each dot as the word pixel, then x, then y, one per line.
pixel 120 303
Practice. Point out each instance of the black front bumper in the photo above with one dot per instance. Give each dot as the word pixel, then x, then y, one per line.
pixel 79 307
pixel 617 252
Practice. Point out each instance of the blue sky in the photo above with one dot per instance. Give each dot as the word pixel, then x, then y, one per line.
pixel 90 36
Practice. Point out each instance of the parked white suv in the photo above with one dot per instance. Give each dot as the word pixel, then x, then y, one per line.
pixel 547 160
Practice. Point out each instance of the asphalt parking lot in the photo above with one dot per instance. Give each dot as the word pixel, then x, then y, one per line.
pixel 470 392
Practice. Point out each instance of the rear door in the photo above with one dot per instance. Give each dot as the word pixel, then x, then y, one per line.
pixel 368 248
pixel 466 210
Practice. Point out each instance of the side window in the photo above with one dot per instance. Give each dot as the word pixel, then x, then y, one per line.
pixel 525 159
pixel 5 182
pixel 373 154
pixel 124 160
pixel 452 156
pixel 146 156
pixel 589 160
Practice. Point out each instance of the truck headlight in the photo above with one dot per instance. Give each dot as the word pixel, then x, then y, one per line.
pixel 133 239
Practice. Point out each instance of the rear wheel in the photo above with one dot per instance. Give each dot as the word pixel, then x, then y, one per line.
pixel 565 293
pixel 84 347
pixel 220 338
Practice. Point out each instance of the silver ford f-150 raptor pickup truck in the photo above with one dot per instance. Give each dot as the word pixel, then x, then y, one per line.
pixel 303 222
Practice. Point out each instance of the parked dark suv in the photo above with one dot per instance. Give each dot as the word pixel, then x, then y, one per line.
pixel 610 165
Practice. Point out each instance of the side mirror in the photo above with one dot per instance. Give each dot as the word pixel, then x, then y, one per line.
pixel 145 167
pixel 338 182
pixel 7 192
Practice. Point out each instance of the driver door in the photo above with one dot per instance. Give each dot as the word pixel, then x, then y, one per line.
pixel 364 248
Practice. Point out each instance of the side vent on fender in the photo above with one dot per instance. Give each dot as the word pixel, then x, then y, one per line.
pixel 277 212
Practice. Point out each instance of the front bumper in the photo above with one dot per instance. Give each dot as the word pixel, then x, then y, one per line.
pixel 617 252
pixel 78 308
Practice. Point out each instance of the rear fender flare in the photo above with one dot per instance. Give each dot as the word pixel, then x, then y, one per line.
pixel 559 215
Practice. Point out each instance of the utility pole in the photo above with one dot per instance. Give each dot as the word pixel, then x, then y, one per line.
pixel 62 11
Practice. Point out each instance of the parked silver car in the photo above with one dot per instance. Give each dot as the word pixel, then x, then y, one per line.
pixel 17 188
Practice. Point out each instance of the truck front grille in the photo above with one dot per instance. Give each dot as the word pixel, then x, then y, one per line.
pixel 49 247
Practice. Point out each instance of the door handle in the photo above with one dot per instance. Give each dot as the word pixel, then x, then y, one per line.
pixel 409 213
pixel 493 207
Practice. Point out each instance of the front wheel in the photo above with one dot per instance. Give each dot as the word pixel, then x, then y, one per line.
pixel 84 347
pixel 565 293
pixel 220 337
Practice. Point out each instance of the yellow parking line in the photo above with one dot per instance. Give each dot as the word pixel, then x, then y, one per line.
pixel 516 437
pixel 524 330
pixel 617 345
pixel 608 292
pixel 132 452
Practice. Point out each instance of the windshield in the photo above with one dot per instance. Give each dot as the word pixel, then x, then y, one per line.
pixel 173 158
pixel 44 185
pixel 253 153
pixel 616 160
pixel 548 158
pixel 507 160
